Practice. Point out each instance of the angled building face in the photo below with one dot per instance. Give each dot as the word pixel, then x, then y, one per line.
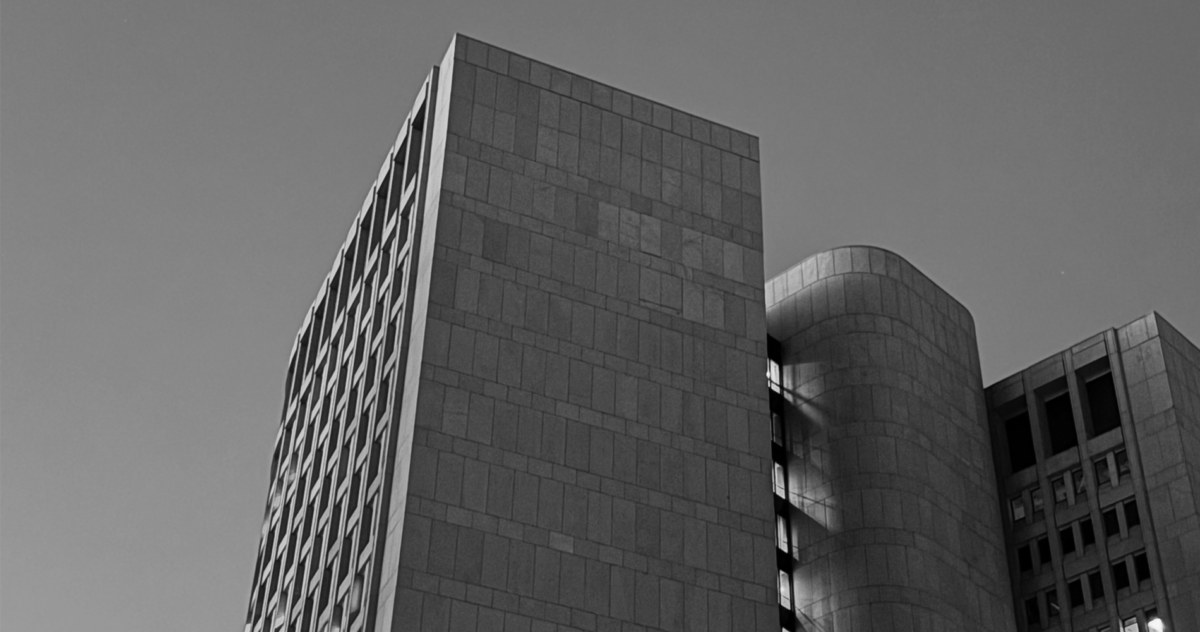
pixel 1097 451
pixel 888 512
pixel 529 392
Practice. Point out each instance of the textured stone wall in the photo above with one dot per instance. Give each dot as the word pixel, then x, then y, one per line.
pixel 1162 375
pixel 590 448
pixel 895 516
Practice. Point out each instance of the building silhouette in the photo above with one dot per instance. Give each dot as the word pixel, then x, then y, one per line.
pixel 530 395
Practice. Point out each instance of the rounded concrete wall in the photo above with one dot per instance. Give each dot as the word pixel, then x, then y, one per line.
pixel 895 517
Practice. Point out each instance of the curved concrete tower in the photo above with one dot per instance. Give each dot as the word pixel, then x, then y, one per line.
pixel 895 522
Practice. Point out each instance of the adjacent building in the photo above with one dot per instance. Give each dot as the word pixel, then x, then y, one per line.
pixel 530 396
pixel 1097 455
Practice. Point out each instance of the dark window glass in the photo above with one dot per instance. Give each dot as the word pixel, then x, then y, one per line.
pixel 1087 535
pixel 1060 489
pixel 1066 538
pixel 1025 559
pixel 1112 528
pixel 1122 459
pixel 1102 400
pixel 1080 484
pixel 1020 442
pixel 1075 593
pixel 1032 615
pixel 1132 519
pixel 1120 576
pixel 1052 603
pixel 1060 421
pixel 1096 584
pixel 1102 477
pixel 1141 567
pixel 1035 499
pixel 1043 545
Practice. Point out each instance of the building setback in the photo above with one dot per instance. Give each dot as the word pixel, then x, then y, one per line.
pixel 527 395
pixel 530 396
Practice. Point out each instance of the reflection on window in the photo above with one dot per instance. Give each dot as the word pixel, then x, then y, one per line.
pixel 780 481
pixel 785 590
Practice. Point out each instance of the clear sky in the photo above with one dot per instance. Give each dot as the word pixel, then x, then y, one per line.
pixel 175 178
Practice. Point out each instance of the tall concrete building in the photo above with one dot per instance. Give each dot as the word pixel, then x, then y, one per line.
pixel 527 396
pixel 530 396
pixel 1097 452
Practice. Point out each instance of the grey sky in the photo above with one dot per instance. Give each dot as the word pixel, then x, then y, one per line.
pixel 175 178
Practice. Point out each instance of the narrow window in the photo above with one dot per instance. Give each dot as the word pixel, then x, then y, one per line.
pixel 1025 559
pixel 1141 567
pixel 1060 489
pixel 785 590
pixel 1052 604
pixel 1043 546
pixel 1112 527
pixel 1102 400
pixel 1129 625
pixel 1033 615
pixel 1066 538
pixel 780 481
pixel 1102 473
pixel 1096 585
pixel 777 428
pixel 1079 483
pixel 1020 441
pixel 1035 498
pixel 1060 422
pixel 1120 576
pixel 1122 460
pixel 1087 535
pixel 781 533
pixel 1017 505
pixel 1132 519
pixel 1075 593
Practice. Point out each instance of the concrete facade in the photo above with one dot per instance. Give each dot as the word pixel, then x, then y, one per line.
pixel 1102 525
pixel 577 368
pixel 893 511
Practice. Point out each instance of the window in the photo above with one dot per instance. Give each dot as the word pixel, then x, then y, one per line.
pixel 780 481
pixel 1017 505
pixel 777 428
pixel 1079 483
pixel 1141 567
pixel 773 376
pixel 1087 535
pixel 1102 473
pixel 1102 400
pixel 1112 528
pixel 1035 497
pixel 1052 604
pixel 1025 559
pixel 1020 441
pixel 1060 489
pixel 1129 625
pixel 1132 519
pixel 1075 592
pixel 1096 585
pixel 1043 546
pixel 1122 460
pixel 1060 422
pixel 1120 576
pixel 785 590
pixel 781 533
pixel 1033 615
pixel 1066 538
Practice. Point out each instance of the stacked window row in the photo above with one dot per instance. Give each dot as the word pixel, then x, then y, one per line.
pixel 1129 575
pixel 1070 487
pixel 1098 403
pixel 320 543
pixel 779 451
